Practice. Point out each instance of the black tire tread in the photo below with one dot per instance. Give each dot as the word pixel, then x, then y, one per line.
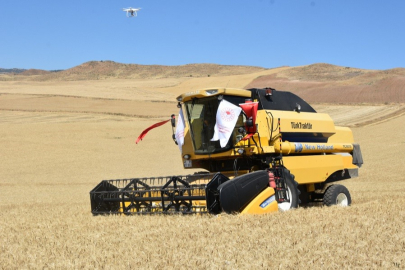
pixel 329 197
pixel 288 174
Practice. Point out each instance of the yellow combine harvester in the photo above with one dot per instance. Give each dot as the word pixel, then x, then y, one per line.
pixel 263 150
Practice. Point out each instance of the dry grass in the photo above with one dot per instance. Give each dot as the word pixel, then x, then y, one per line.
pixel 57 150
pixel 50 162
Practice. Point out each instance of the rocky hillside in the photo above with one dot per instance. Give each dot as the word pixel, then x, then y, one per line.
pixel 97 70
pixel 335 84
pixel 320 83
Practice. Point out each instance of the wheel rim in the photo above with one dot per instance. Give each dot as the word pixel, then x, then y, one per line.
pixel 285 206
pixel 342 200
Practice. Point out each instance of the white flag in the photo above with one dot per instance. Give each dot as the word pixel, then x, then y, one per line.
pixel 180 130
pixel 227 116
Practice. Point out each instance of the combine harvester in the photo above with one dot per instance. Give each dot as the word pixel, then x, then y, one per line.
pixel 263 151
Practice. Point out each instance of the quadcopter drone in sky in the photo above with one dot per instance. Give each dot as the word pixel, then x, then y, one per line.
pixel 131 12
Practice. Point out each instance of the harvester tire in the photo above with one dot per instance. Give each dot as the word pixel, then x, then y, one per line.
pixel 337 195
pixel 294 193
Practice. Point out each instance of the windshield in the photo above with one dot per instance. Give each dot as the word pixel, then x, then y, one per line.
pixel 202 118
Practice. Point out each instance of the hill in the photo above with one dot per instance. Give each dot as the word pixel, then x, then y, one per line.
pixel 11 70
pixel 30 72
pixel 316 83
pixel 321 83
pixel 96 70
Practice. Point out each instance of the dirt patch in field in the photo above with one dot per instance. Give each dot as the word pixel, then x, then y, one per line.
pixel 360 115
pixel 69 104
pixel 321 83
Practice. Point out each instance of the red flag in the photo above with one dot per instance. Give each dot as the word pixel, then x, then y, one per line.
pixel 143 134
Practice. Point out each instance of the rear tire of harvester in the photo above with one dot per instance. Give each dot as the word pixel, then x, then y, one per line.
pixel 292 190
pixel 337 195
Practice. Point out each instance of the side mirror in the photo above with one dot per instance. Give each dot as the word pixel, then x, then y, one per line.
pixel 173 120
pixel 249 122
pixel 241 130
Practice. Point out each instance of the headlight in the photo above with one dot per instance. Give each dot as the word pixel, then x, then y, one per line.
pixel 211 91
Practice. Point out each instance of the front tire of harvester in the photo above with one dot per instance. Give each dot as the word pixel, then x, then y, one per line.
pixel 292 190
pixel 337 195
pixel 304 195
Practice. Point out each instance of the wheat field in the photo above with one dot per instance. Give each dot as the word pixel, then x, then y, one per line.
pixel 51 157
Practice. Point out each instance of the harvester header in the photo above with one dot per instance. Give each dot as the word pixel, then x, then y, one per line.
pixel 260 149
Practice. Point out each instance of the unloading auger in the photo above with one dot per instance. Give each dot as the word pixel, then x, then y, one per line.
pixel 262 151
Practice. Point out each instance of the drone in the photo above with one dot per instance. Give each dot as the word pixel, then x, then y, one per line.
pixel 131 12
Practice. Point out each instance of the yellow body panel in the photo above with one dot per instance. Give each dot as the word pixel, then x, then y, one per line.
pixel 342 135
pixel 304 122
pixel 295 148
pixel 264 203
pixel 213 91
pixel 314 168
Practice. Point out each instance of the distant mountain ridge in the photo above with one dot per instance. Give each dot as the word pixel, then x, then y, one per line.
pixel 110 69
pixel 96 70
pixel 25 71
pixel 318 82
pixel 11 70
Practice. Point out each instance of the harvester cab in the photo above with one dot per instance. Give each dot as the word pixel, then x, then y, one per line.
pixel 262 151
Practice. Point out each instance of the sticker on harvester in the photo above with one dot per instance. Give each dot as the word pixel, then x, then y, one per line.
pixel 268 201
pixel 226 118
pixel 298 147
pixel 187 163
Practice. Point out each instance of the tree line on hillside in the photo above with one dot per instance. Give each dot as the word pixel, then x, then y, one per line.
pixel 20 70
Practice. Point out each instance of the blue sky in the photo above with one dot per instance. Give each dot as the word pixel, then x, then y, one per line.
pixel 52 34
